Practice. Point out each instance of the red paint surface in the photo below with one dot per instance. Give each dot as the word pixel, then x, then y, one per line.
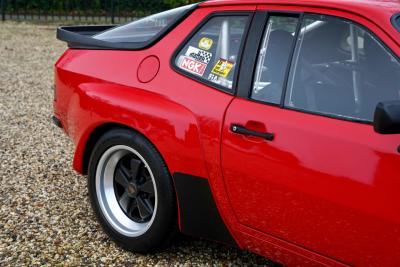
pixel 324 192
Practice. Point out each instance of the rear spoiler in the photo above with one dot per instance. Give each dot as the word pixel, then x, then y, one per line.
pixel 80 37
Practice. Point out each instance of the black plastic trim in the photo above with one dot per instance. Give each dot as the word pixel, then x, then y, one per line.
pixel 195 30
pixel 387 117
pixel 88 30
pixel 248 65
pixel 80 37
pixel 56 122
pixel 199 215
pixel 395 19
pixel 239 129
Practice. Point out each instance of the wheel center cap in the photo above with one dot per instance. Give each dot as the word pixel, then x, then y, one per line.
pixel 132 189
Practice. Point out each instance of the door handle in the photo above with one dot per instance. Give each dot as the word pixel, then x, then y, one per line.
pixel 239 129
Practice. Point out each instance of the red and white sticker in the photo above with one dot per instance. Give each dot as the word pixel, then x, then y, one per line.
pixel 193 66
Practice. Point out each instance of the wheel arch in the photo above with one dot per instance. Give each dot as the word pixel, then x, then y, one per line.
pixel 98 132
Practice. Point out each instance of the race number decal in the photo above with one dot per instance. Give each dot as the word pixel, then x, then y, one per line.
pixel 199 55
pixel 222 68
pixel 205 43
pixel 193 66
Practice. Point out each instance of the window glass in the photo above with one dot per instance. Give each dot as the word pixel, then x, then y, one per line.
pixel 273 59
pixel 143 30
pixel 340 69
pixel 212 53
pixel 396 22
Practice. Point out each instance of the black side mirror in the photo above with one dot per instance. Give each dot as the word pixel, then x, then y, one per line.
pixel 387 117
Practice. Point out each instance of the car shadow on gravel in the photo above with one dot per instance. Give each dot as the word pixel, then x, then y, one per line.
pixel 206 251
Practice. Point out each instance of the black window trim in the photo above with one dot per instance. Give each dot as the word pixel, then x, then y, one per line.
pixel 232 91
pixel 395 20
pixel 245 92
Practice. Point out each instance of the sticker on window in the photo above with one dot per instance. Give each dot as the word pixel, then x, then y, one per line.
pixel 213 77
pixel 193 66
pixel 199 55
pixel 205 43
pixel 222 68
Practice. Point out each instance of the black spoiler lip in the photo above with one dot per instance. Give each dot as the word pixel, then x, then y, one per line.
pixel 81 37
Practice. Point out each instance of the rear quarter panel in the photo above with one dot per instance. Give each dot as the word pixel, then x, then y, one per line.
pixel 98 87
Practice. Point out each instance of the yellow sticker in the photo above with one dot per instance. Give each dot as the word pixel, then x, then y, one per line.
pixel 205 43
pixel 222 68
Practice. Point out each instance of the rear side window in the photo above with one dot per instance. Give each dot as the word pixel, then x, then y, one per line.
pixel 211 54
pixel 145 29
pixel 341 69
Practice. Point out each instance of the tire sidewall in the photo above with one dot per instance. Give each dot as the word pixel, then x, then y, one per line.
pixel 164 220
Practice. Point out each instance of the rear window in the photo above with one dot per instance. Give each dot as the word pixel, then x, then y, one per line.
pixel 146 29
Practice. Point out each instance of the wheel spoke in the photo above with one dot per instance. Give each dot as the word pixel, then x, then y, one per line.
pixel 124 201
pixel 132 206
pixel 135 167
pixel 145 207
pixel 143 172
pixel 122 176
pixel 147 187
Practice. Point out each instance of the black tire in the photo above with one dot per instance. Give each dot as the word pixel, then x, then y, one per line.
pixel 164 223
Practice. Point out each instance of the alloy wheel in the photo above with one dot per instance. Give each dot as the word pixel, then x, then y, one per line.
pixel 126 190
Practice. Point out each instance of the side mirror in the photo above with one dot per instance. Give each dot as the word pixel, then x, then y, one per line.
pixel 387 117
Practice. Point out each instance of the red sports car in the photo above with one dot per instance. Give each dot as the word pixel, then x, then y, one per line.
pixel 271 125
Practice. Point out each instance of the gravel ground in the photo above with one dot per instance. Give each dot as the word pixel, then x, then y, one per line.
pixel 45 216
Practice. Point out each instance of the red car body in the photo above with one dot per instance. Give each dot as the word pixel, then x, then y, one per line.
pixel 323 192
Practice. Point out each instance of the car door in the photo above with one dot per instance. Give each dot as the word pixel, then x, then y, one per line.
pixel 301 161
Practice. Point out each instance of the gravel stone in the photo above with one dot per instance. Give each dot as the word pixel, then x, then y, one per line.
pixel 45 215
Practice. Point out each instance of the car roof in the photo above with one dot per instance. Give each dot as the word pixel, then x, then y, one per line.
pixel 378 11
pixel 391 6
